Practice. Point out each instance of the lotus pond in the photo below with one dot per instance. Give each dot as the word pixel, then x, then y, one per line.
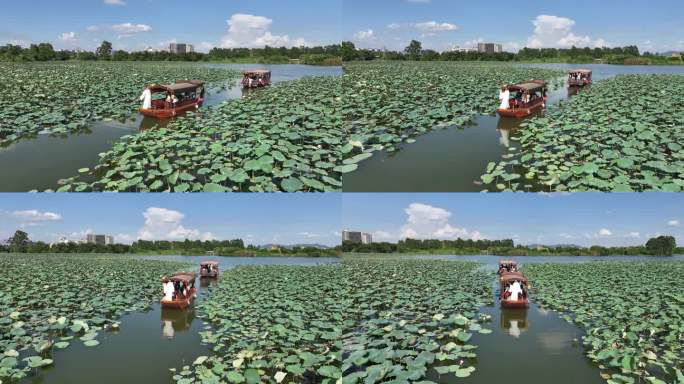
pixel 633 315
pixel 51 302
pixel 622 135
pixel 61 98
pixel 284 138
pixel 390 104
pixel 316 324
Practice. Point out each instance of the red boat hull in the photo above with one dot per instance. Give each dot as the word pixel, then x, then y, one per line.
pixel 180 303
pixel 515 304
pixel 167 113
pixel 519 113
pixel 212 275
pixel 580 84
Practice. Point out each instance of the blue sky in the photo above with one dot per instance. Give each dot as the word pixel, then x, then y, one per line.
pixel 256 218
pixel 441 24
pixel 138 24
pixel 583 219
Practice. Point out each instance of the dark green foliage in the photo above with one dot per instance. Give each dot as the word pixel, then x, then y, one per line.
pixel 661 246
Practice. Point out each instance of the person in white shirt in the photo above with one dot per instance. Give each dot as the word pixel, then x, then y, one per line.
pixel 168 291
pixel 146 98
pixel 504 96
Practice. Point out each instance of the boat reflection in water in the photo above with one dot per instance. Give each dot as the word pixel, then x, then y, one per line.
pixel 514 321
pixel 206 282
pixel 507 127
pixel 176 320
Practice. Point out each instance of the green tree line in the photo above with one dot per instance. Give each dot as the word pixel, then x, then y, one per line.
pixel 21 243
pixel 609 55
pixel 659 246
pixel 323 55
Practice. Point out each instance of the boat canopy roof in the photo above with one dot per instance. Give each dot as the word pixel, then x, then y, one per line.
pixel 257 72
pixel 214 263
pixel 182 277
pixel 508 262
pixel 178 87
pixel 531 85
pixel 513 276
pixel 582 71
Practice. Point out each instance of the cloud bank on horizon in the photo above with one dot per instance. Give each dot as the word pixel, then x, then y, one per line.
pixel 582 219
pixel 443 25
pixel 137 25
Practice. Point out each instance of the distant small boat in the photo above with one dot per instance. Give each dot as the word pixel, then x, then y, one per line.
pixel 508 266
pixel 507 279
pixel 579 77
pixel 209 269
pixel 257 78
pixel 188 96
pixel 536 90
pixel 185 291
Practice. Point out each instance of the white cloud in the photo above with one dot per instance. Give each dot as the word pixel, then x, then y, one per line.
pixel 556 32
pixel 124 238
pixel 33 217
pixel 605 232
pixel 166 224
pixel 114 2
pixel 433 26
pixel 674 223
pixel 394 26
pixel 130 29
pixel 428 222
pixel 364 35
pixel 251 31
pixel 633 235
pixel 93 28
pixel 68 37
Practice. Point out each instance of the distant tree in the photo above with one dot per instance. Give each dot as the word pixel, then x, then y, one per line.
pixel 414 49
pixel 661 246
pixel 348 51
pixel 19 242
pixel 104 52
pixel 120 56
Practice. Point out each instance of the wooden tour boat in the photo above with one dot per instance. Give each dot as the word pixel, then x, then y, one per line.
pixel 579 77
pixel 171 100
pixel 184 292
pixel 258 78
pixel 209 269
pixel 533 90
pixel 506 266
pixel 510 278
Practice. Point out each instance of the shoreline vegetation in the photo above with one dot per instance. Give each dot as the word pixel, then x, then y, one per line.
pixel 659 246
pixel 20 243
pixel 629 55
pixel 321 56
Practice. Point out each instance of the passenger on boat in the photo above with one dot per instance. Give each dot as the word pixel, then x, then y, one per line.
pixel 504 96
pixel 515 291
pixel 174 101
pixel 146 98
pixel 168 291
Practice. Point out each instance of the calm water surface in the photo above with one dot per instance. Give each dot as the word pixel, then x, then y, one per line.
pixel 453 159
pixel 148 343
pixel 38 163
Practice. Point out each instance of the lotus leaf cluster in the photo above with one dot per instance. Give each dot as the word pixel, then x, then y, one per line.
pixel 633 314
pixel 624 134
pixel 62 98
pixel 49 302
pixel 387 104
pixel 285 138
pixel 355 322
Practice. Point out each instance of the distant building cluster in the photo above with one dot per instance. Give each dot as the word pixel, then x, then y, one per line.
pixel 357 237
pixel 489 48
pixel 181 48
pixel 99 239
